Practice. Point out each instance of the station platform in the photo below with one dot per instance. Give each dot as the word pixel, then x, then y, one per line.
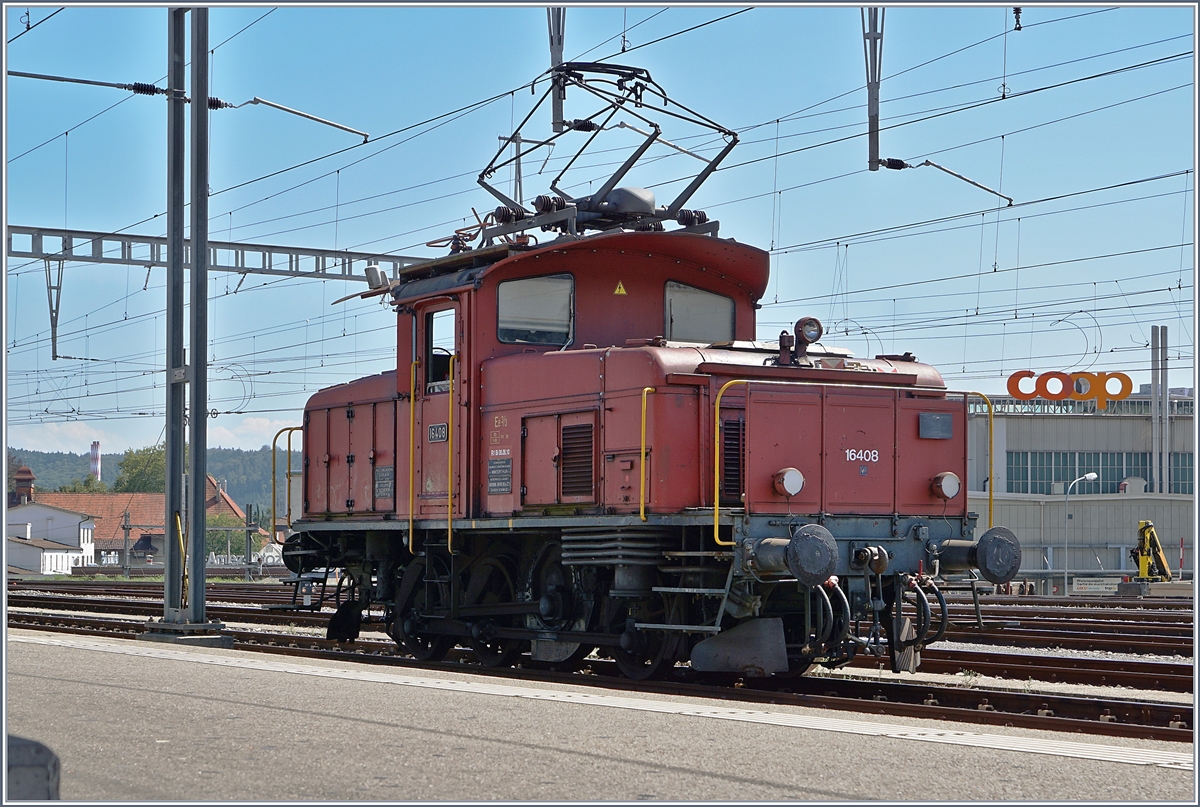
pixel 139 721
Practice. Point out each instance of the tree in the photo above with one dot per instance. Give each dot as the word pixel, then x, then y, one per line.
pixel 142 470
pixel 215 540
pixel 13 464
pixel 89 484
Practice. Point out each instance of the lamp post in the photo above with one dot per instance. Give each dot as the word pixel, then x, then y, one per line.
pixel 1090 477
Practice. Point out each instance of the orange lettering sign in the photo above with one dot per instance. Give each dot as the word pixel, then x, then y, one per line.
pixel 1059 386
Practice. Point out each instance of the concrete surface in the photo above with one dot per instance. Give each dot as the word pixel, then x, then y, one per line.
pixel 32 771
pixel 213 724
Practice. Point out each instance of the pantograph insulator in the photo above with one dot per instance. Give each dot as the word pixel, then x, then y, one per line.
pixel 549 204
pixel 507 215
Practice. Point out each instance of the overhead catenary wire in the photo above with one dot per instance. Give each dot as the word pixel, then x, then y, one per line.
pixel 1181 240
pixel 35 25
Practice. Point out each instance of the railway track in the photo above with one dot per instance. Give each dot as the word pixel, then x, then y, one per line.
pixel 1107 717
pixel 1145 675
pixel 1120 630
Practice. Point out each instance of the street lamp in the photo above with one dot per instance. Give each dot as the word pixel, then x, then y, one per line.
pixel 1090 477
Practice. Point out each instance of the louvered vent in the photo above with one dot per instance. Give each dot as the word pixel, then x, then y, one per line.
pixel 577 460
pixel 733 448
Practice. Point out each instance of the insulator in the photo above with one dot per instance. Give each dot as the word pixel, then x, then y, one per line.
pixel 549 204
pixel 701 217
pixel 217 103
pixel 584 125
pixel 649 227
pixel 507 215
pixel 686 217
pixel 142 88
pixel 893 164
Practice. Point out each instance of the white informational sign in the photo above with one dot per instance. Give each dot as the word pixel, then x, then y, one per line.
pixel 1095 585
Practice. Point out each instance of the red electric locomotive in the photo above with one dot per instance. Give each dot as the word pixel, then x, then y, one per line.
pixel 583 446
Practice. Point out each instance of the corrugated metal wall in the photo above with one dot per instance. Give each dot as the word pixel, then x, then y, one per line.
pixel 1102 530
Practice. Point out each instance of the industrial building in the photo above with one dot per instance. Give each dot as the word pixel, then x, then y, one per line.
pixel 1040 447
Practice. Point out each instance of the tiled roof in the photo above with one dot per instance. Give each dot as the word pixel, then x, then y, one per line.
pixel 144 508
pixel 53 546
pixel 107 509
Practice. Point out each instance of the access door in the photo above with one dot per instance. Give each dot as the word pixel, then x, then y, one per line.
pixel 439 417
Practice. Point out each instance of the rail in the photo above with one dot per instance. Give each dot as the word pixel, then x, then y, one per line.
pixel 274 441
pixel 748 381
pixel 642 467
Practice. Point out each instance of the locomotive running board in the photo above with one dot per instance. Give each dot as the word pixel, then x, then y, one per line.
pixel 702 516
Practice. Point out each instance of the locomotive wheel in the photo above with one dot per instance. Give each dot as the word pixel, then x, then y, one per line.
pixel 412 601
pixel 492 584
pixel 551 580
pixel 657 656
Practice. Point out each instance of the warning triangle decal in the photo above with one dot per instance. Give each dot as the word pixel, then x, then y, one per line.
pixel 620 288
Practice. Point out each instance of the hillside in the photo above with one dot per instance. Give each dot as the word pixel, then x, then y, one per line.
pixel 247 474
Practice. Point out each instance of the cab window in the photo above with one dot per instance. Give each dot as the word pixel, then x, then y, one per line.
pixel 439 347
pixel 536 310
pixel 695 315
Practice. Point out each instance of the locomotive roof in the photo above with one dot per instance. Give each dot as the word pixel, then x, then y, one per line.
pixel 744 264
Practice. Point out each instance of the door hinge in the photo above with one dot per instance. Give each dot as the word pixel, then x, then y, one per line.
pixel 349 459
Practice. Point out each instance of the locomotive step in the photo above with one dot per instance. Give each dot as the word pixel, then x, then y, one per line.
pixel 684 569
pixel 711 592
pixel 683 628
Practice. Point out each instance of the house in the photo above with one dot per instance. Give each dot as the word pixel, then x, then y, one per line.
pixel 39 556
pixel 71 528
pixel 146 511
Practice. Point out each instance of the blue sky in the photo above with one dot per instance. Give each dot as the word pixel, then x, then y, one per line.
pixel 1071 277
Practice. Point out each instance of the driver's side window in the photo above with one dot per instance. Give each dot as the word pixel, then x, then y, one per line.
pixel 440 331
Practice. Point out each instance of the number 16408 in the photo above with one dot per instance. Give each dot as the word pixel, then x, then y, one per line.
pixel 862 455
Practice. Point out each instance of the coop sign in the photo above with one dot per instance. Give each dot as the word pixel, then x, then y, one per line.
pixel 1058 386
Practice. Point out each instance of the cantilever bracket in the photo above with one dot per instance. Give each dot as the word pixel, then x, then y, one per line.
pixel 54 297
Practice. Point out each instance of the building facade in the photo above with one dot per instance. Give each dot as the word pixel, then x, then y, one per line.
pixel 1040 447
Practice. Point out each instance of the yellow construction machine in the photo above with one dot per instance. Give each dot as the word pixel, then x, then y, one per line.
pixel 1149 555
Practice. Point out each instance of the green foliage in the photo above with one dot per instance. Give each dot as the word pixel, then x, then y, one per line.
pixel 247 474
pixel 89 484
pixel 143 470
pixel 13 465
pixel 54 469
pixel 215 540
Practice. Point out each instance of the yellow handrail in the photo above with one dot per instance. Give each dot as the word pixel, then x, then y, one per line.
pixel 412 432
pixel 289 430
pixel 450 463
pixel 717 429
pixel 642 467
pixel 991 463
pixel 717 459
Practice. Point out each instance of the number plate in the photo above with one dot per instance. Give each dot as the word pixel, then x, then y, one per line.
pixel 439 432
